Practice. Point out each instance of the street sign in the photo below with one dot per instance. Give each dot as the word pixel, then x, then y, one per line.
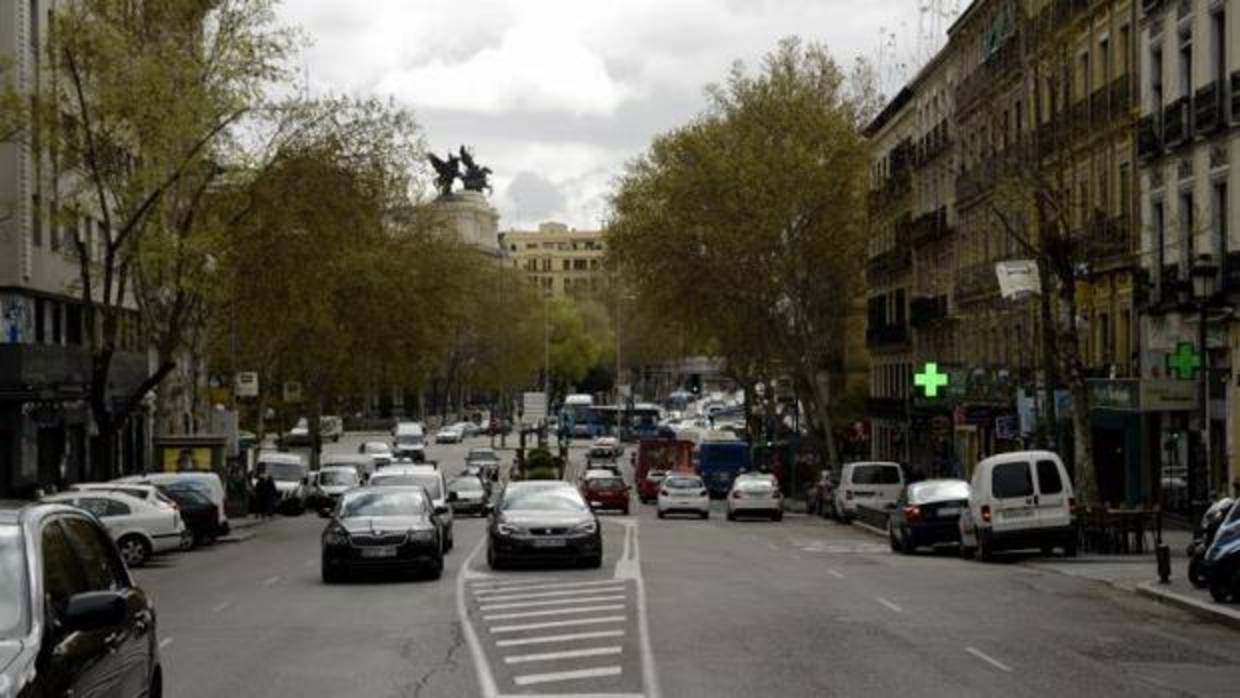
pixel 533 407
pixel 1185 361
pixel 931 380
pixel 1018 278
pixel 246 384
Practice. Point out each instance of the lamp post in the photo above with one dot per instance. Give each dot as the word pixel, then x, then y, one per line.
pixel 1205 283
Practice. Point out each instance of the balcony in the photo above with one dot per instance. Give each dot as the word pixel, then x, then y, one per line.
pixel 1150 136
pixel 930 227
pixel 1004 59
pixel 927 310
pixel 1177 124
pixel 1148 6
pixel 1207 109
pixel 977 280
pixel 886 336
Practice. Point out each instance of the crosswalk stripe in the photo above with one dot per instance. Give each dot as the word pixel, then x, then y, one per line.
pixel 564 637
pixel 553 602
pixel 531 679
pixel 554 612
pixel 536 587
pixel 552 594
pixel 567 654
pixel 556 624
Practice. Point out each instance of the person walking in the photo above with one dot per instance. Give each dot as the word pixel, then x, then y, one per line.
pixel 267 493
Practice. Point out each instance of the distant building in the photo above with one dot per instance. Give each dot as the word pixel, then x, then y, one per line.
pixel 560 260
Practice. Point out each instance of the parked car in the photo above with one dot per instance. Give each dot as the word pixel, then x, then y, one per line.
pixel 148 493
pixel 292 479
pixel 927 513
pixel 409 441
pixel 648 487
pixel 449 435
pixel 328 484
pixel 140 528
pixel 72 621
pixel 543 520
pixel 380 453
pixel 206 482
pixel 299 435
pixel 1021 499
pixel 467 429
pixel 363 464
pixel 471 495
pixel 609 492
pixel 197 511
pixel 876 484
pixel 382 529
pixel 755 496
pixel 684 494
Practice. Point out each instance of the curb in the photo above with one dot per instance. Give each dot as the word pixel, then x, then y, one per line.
pixel 1217 613
pixel 239 537
pixel 870 529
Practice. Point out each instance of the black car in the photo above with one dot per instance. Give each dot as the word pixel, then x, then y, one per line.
pixel 201 516
pixel 543 520
pixel 928 513
pixel 72 622
pixel 471 495
pixel 383 528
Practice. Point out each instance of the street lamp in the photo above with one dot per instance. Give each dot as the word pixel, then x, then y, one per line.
pixel 1205 284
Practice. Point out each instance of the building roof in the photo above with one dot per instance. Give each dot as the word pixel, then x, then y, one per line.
pixel 893 107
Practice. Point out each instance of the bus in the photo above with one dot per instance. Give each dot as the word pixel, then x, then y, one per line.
pixel 576 411
pixel 641 421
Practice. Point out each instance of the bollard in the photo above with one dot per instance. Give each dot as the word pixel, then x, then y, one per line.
pixel 1163 554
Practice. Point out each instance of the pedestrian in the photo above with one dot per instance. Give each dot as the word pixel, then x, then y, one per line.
pixel 267 493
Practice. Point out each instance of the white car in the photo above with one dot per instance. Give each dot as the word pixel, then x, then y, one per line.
pixel 139 527
pixel 329 482
pixel 429 478
pixel 1021 499
pixel 449 435
pixel 875 484
pixel 604 473
pixel 363 464
pixel 755 496
pixel 291 476
pixel 209 484
pixel 380 453
pixel 683 494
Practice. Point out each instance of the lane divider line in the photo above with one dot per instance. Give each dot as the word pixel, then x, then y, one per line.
pixel 486 679
pixel 567 654
pixel 271 581
pixel 988 659
pixel 543 604
pixel 835 574
pixel 532 679
pixel 540 587
pixel 221 606
pixel 565 637
pixel 888 604
pixel 554 612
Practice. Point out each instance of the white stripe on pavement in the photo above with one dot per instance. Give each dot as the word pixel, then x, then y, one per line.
pixel 566 637
pixel 988 659
pixel 536 587
pixel 568 654
pixel 553 594
pixel 532 679
pixel 556 624
pixel 889 605
pixel 572 695
pixel 835 574
pixel 165 642
pixel 554 612
pixel 221 606
pixel 486 582
pixel 557 602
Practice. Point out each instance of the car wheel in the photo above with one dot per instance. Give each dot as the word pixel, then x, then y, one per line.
pixel 334 575
pixel 594 561
pixel 135 551
pixel 1069 547
pixel 493 560
pixel 1220 589
pixel 1048 550
pixel 435 569
pixel 451 542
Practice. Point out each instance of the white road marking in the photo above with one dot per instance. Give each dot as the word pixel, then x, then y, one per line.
pixel 532 679
pixel 889 605
pixel 537 587
pixel 554 612
pixel 632 569
pixel 554 594
pixel 490 583
pixel 566 637
pixel 568 654
pixel 556 624
pixel 486 679
pixel 835 574
pixel 271 580
pixel 988 659
pixel 165 642
pixel 557 602
pixel 772 546
pixel 221 606
pixel 572 695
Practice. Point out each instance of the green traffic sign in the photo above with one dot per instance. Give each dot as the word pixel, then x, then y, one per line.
pixel 931 380
pixel 1185 361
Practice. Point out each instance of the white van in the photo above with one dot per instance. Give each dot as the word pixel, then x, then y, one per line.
pixel 877 484
pixel 1019 500
pixel 409 441
pixel 209 483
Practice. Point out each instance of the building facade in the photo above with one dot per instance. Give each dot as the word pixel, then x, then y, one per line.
pixel 560 260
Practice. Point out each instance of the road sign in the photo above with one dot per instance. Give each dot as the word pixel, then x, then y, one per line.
pixel 533 407
pixel 246 384
pixel 1185 361
pixel 931 380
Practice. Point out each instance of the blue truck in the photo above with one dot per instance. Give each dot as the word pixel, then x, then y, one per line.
pixel 719 462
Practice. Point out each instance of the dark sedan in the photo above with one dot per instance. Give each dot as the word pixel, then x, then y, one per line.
pixel 201 516
pixel 72 622
pixel 543 520
pixel 471 495
pixel 388 528
pixel 927 513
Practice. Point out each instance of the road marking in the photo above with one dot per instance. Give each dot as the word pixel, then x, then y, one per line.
pixel 556 624
pixel 271 580
pixel 558 602
pixel 165 642
pixel 489 583
pixel 889 605
pixel 632 569
pixel 221 606
pixel 567 637
pixel 554 612
pixel 772 546
pixel 553 594
pixel 572 695
pixel 835 574
pixel 538 587
pixel 532 679
pixel 568 654
pixel 486 679
pixel 988 659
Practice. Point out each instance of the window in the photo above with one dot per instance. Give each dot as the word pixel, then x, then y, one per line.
pixel 103 571
pixel 36 220
pixel 1049 481
pixel 57 232
pixel 565 264
pixel 1104 61
pixel 1220 219
pixel 40 320
pixel 1157 222
pixel 1186 65
pixel 1218 48
pixel 1125 188
pixel 1125 45
pixel 1012 480
pixel 62 576
pixel 1156 78
pixel 1186 228
pixel 57 325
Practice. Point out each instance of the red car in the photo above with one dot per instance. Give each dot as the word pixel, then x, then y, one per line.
pixel 606 493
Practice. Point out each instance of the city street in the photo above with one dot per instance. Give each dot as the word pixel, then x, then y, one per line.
pixel 679 608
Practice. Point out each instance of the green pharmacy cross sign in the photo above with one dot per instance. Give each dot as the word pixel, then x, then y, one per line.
pixel 1185 361
pixel 930 379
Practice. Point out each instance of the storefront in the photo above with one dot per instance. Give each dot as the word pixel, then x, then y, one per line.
pixel 1141 440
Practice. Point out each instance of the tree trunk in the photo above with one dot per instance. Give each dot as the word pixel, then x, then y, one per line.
pixel 1085 474
pixel 1050 364
pixel 316 436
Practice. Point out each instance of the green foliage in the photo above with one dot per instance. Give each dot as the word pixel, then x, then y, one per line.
pixel 579 341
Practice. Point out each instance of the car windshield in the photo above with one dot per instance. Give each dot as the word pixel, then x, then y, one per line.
pixel 284 472
pixel 683 483
pixel 606 483
pixel 186 496
pixel 466 484
pixel 946 490
pixel 13 582
pixel 371 503
pixel 188 486
pixel 395 479
pixel 431 483
pixel 409 439
pixel 338 478
pixel 876 475
pixel 542 499
pixel 376 447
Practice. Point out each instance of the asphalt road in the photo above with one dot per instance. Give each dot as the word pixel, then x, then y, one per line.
pixel 680 608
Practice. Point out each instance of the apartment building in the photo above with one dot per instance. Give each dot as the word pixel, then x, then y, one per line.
pixel 560 260
pixel 45 365
pixel 1190 250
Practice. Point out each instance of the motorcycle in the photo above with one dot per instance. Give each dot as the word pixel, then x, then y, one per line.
pixel 1222 559
pixel 1210 522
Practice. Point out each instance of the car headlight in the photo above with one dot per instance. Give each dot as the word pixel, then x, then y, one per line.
pixel 506 529
pixel 590 526
pixel 421 535
pixel 336 536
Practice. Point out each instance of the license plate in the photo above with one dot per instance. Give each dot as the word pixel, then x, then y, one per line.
pixel 949 511
pixel 1017 513
pixel 379 552
pixel 596 504
pixel 550 543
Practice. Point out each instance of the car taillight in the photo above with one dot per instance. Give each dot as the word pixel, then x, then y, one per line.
pixel 986 513
pixel 912 513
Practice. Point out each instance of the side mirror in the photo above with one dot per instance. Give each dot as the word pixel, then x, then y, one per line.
pixel 94 610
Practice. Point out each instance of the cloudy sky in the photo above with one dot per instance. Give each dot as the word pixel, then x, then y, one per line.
pixel 555 95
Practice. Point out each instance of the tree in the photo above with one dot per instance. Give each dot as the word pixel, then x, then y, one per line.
pixel 578 342
pixel 746 224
